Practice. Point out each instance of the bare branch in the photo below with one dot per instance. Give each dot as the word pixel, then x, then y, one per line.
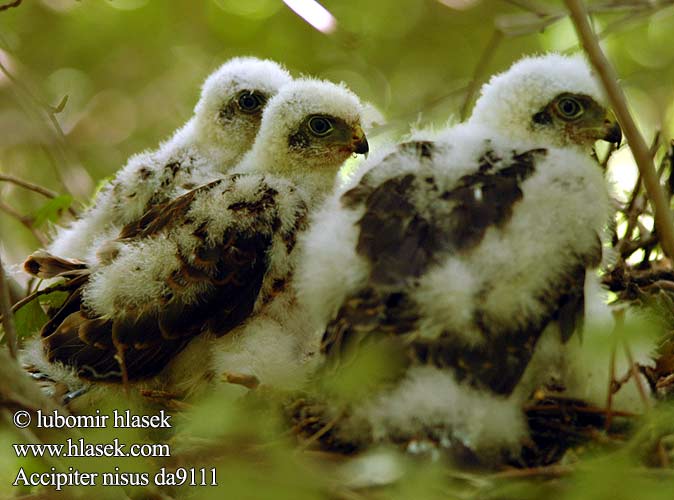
pixel 10 5
pixel 480 68
pixel 42 108
pixel 26 221
pixel 640 150
pixel 61 287
pixel 47 193
pixel 537 18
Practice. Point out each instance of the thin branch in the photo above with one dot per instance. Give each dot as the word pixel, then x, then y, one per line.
pixel 7 315
pixel 26 221
pixel 10 5
pixel 537 18
pixel 44 107
pixel 61 287
pixel 480 68
pixel 47 193
pixel 547 471
pixel 635 376
pixel 640 150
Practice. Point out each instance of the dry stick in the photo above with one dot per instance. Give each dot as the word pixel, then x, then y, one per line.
pixel 547 471
pixel 636 375
pixel 39 104
pixel 544 18
pixel 15 3
pixel 7 316
pixel 322 431
pixel 640 151
pixel 47 193
pixel 627 245
pixel 25 221
pixel 480 68
pixel 29 298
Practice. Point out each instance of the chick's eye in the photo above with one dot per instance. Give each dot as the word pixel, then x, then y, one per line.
pixel 250 102
pixel 320 126
pixel 569 108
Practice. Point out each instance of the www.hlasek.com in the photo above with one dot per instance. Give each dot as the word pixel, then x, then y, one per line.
pixel 79 447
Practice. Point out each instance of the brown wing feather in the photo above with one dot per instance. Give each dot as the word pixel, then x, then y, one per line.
pixel 229 275
pixel 400 240
pixel 149 340
pixel 164 215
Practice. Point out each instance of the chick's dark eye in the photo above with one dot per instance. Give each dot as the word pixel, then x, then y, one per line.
pixel 250 102
pixel 569 108
pixel 320 126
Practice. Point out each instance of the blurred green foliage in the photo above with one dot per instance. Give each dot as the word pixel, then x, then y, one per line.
pixel 131 70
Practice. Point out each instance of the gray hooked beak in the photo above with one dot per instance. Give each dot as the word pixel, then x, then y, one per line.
pixel 359 144
pixel 612 132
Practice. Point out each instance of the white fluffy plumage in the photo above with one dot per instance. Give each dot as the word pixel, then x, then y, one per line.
pixel 216 262
pixel 279 347
pixel 463 249
pixel 209 144
pixel 508 101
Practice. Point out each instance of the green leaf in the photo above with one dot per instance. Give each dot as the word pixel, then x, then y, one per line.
pixel 52 210
pixel 54 300
pixel 29 319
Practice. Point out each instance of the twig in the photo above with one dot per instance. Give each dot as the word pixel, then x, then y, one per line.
pixel 50 111
pixel 10 5
pixel 480 68
pixel 47 193
pixel 62 287
pixel 26 221
pixel 635 375
pixel 322 431
pixel 539 18
pixel 640 150
pixel 549 471
pixel 7 316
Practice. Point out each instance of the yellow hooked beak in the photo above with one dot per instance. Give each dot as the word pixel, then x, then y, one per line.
pixel 359 143
pixel 610 130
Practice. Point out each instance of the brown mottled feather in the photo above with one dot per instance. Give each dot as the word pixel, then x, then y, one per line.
pixel 233 270
pixel 400 240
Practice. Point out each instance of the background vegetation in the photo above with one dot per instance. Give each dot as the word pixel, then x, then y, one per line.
pixel 84 84
pixel 131 70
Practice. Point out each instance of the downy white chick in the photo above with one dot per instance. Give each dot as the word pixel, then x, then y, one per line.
pixel 214 262
pixel 461 252
pixel 224 125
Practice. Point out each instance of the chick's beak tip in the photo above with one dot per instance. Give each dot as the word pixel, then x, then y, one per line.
pixel 360 145
pixel 612 131
pixel 614 134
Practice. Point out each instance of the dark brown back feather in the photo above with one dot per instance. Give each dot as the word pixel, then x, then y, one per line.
pixel 148 338
pixel 400 240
